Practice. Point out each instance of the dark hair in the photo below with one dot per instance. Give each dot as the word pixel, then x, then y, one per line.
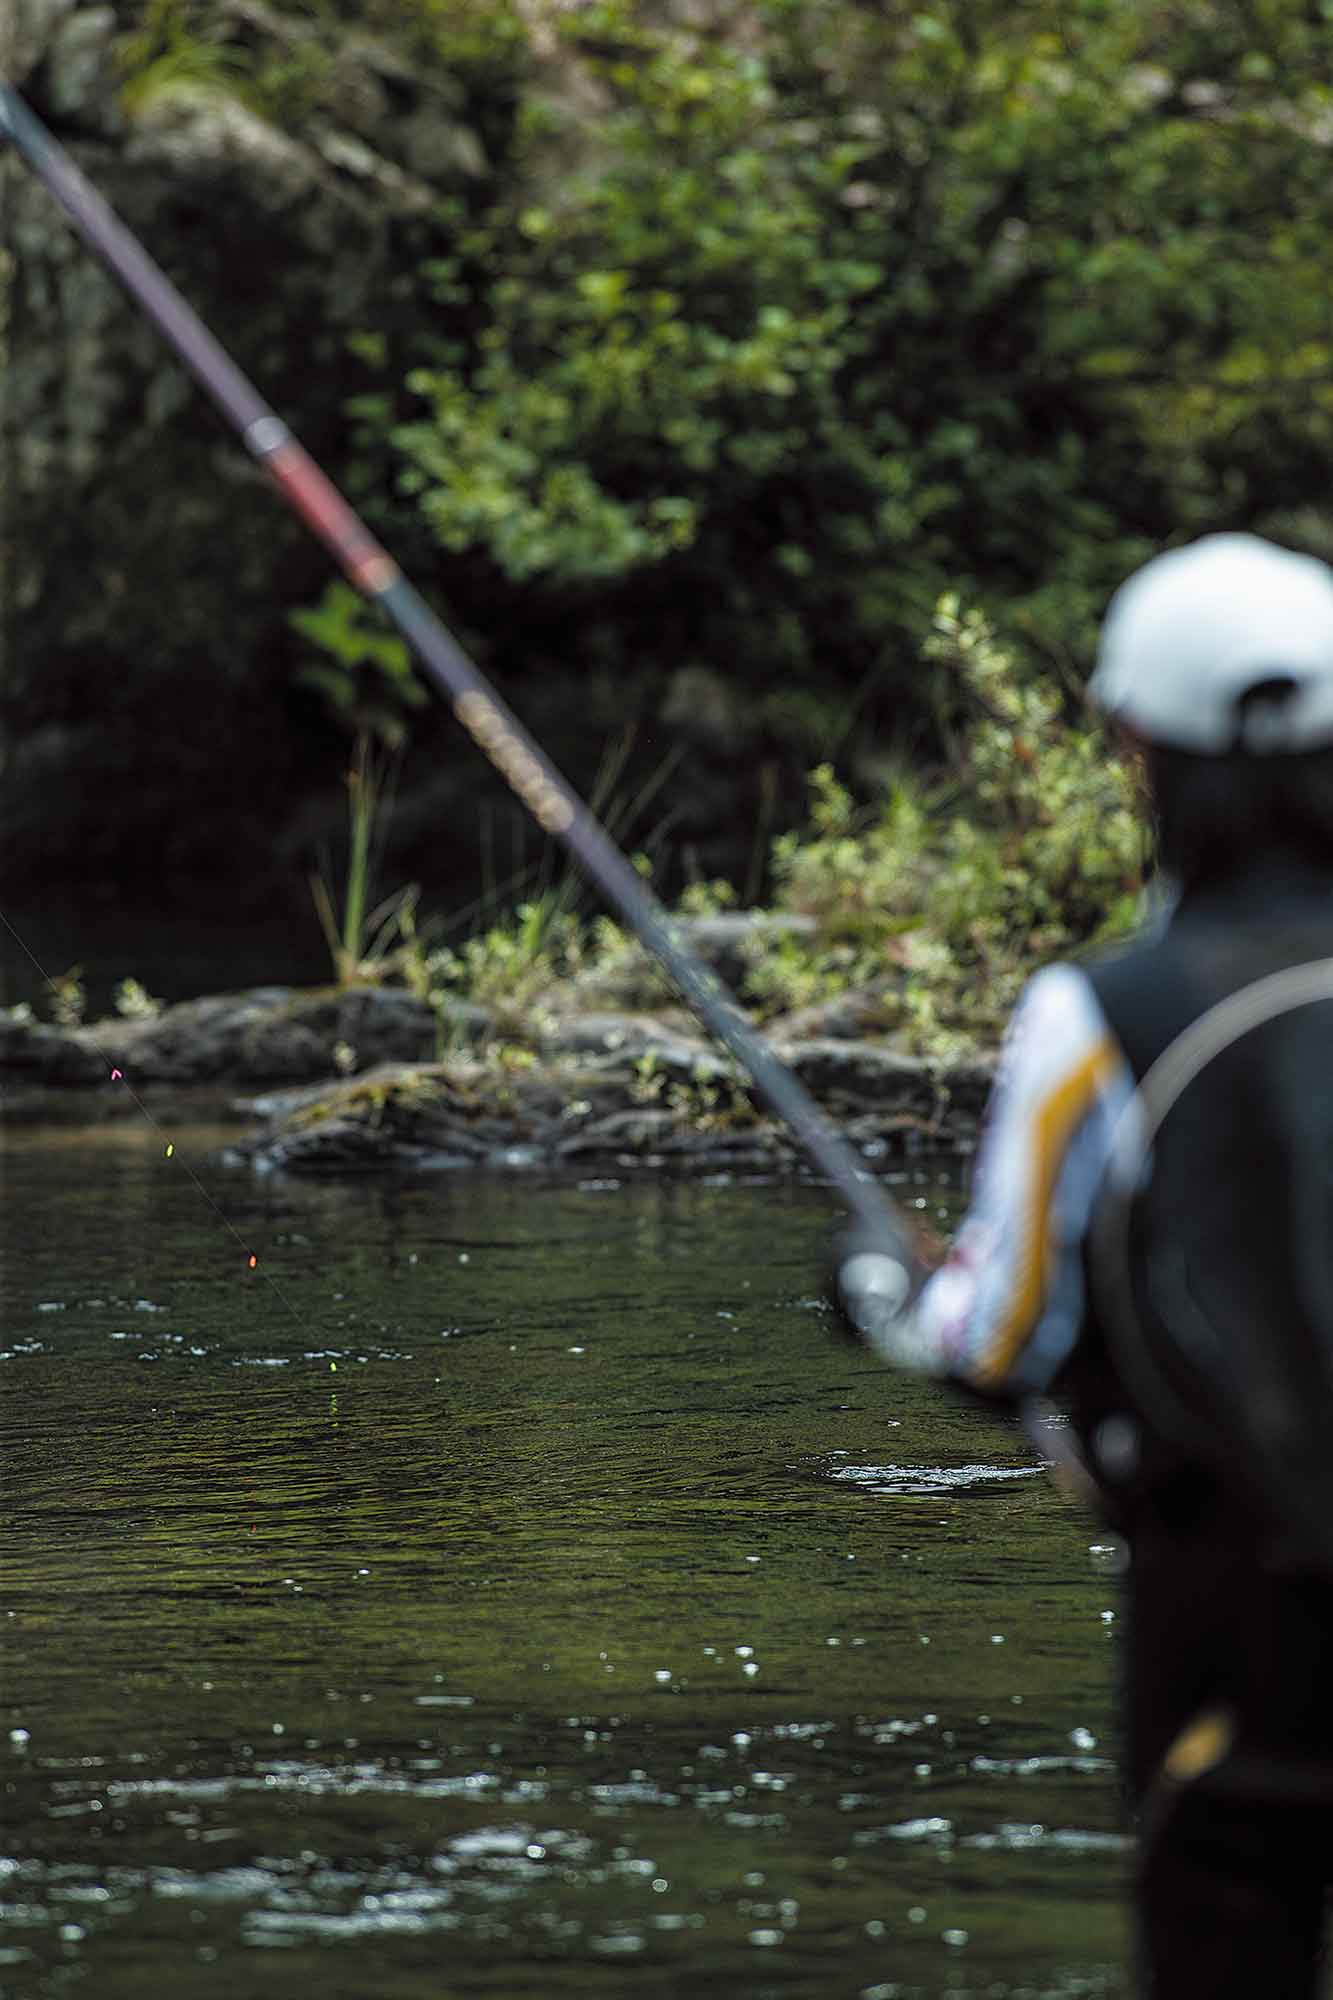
pixel 1214 814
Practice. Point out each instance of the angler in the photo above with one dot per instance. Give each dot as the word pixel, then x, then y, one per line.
pixel 1181 1306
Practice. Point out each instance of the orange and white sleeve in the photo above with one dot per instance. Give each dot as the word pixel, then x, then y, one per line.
pixel 1006 1307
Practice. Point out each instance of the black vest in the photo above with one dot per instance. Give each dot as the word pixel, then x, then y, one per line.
pixel 1227 1376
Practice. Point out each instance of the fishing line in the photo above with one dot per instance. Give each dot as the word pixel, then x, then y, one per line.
pixel 116 1074
pixel 491 724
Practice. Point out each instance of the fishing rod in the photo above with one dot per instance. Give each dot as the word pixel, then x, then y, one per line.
pixel 516 755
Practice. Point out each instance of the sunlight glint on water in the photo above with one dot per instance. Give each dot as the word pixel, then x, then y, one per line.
pixel 524 1595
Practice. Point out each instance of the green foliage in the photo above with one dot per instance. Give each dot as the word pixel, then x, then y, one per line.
pixel 713 1099
pixel 362 940
pixel 744 335
pixel 936 906
pixel 1061 809
pixel 69 997
pixel 366 674
pixel 292 62
pixel 176 44
pixel 508 966
pixel 843 306
pixel 707 899
pixel 399 1095
pixel 133 1001
pixel 943 902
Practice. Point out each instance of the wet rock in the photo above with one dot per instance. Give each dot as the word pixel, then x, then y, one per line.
pixel 363 1025
pixel 397 1115
pixel 847 1018
pixel 760 1149
pixel 602 1033
pixel 861 1073
pixel 629 1089
pixel 270 1034
pixel 194 132
pixel 31 1052
pixel 286 1050
pixel 881 1137
pixel 267 224
pixel 336 1145
pixel 29 32
pixel 626 1089
pixel 276 1105
pixel 439 148
pixel 657 1140
pixel 200 1041
pixel 637 1131
pixel 617 1043
pixel 81 70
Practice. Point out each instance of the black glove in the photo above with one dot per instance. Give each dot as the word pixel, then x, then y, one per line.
pixel 875 1281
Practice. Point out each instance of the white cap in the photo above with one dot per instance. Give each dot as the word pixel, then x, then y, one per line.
pixel 1194 631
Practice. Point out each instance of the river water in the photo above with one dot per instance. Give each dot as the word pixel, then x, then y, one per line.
pixel 512 1589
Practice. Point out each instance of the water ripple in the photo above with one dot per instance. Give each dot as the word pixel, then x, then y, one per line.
pixel 929 1478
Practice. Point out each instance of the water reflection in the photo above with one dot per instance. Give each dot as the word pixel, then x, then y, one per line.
pixel 519 1574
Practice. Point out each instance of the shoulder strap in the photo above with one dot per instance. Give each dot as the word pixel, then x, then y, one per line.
pixel 1213 1245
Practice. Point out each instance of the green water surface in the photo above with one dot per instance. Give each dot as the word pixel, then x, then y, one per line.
pixel 514 1589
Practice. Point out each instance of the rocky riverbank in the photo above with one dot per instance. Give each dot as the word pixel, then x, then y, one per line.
pixel 365 1078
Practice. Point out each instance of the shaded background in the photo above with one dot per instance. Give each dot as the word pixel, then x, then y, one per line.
pixel 683 353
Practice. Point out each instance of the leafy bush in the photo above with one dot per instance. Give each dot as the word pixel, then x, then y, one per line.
pixel 133 1001
pixel 945 900
pixel 730 338
pixel 511 964
pixel 939 904
pixel 840 307
pixel 363 670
